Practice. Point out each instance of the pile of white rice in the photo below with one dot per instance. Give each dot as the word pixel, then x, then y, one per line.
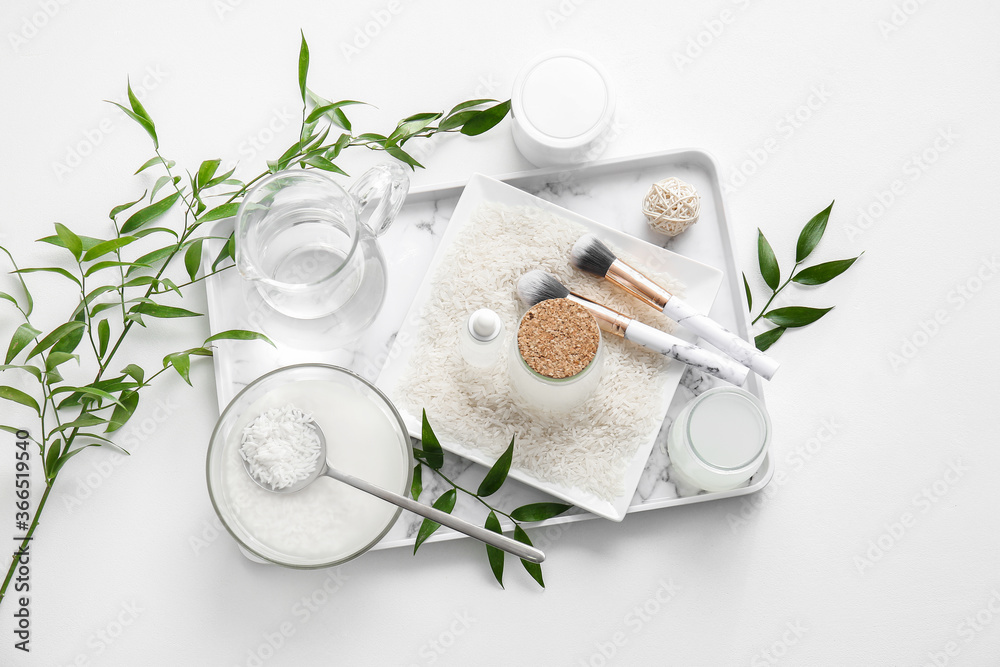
pixel 280 446
pixel 589 448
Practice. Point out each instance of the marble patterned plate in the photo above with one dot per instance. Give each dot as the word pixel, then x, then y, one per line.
pixel 702 284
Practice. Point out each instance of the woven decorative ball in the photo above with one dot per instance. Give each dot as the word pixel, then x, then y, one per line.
pixel 671 206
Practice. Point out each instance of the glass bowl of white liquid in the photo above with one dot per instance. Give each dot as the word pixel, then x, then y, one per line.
pixel 326 523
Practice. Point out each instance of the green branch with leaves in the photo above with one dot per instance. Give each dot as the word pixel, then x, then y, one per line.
pixel 431 456
pixel 120 287
pixel 793 317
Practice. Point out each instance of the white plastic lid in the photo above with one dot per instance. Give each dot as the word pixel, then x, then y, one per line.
pixel 562 100
pixel 484 324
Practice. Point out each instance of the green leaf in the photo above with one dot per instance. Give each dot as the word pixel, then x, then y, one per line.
pixel 534 569
pixel 8 297
pixel 238 334
pixel 795 316
pixel 192 258
pixel 181 363
pixel 429 442
pixel 18 396
pixel 52 457
pixel 769 268
pixel 402 156
pixel 538 511
pixel 220 212
pixel 147 260
pixel 134 372
pixel 303 66
pixel 23 335
pixel 228 251
pixel 103 336
pixel 146 123
pixel 146 215
pixel 104 247
pixel 495 555
pixel 136 105
pixel 206 171
pixel 486 119
pixel 498 473
pixel 371 136
pixel 61 461
pixel 822 273
pixel 33 370
pixel 103 441
pixel 458 120
pixel 160 182
pixel 746 286
pixel 100 266
pixel 417 485
pixel 49 269
pixel 123 411
pixel 151 162
pixel 55 336
pixel 54 359
pixel 467 104
pixel 156 310
pixel 768 338
pixel 445 503
pixel 84 420
pixel 411 125
pixel 70 341
pixel 811 234
pixel 89 391
pixel 327 109
pixel 70 240
pixel 321 162
pixel 24 286
pixel 123 207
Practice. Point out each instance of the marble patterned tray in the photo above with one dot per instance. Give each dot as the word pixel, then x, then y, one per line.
pixel 608 191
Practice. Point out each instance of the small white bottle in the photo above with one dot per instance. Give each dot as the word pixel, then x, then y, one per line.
pixel 481 338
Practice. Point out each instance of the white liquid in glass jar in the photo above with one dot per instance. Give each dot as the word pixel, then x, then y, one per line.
pixel 327 520
pixel 719 440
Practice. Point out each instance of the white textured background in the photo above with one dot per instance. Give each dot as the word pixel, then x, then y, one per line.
pixel 218 72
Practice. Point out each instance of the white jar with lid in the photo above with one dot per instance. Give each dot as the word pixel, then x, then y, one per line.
pixel 562 106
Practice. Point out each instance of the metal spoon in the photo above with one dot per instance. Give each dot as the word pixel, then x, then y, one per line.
pixel 497 540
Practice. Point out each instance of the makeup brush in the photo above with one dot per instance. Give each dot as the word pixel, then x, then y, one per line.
pixel 590 254
pixel 536 286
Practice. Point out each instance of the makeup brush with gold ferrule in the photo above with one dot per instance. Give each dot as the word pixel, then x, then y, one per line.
pixel 591 255
pixel 536 286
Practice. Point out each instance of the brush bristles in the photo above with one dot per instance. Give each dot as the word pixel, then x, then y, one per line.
pixel 591 255
pixel 537 286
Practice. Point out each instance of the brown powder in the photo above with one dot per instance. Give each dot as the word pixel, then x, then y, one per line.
pixel 558 338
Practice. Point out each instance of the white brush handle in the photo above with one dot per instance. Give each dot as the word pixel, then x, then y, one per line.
pixel 720 337
pixel 690 354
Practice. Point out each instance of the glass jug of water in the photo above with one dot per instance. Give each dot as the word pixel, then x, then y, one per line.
pixel 308 252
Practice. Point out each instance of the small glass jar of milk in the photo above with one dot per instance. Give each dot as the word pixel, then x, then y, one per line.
pixel 719 440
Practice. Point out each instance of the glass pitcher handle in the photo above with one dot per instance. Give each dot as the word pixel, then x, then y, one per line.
pixel 379 193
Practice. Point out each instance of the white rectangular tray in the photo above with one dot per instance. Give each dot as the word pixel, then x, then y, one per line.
pixel 610 192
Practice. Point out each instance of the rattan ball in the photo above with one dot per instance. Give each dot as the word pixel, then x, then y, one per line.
pixel 671 206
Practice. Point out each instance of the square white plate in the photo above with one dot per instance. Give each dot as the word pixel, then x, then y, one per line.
pixel 701 282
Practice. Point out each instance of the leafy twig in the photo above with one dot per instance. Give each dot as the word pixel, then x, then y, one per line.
pixel 431 456
pixel 793 316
